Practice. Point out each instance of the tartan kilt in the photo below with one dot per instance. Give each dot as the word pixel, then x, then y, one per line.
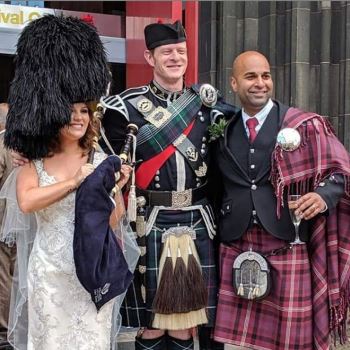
pixel 136 313
pixel 283 320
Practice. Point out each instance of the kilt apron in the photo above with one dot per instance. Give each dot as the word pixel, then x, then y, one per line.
pixel 137 313
pixel 283 320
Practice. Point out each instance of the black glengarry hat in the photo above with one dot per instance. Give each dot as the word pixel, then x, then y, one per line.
pixel 158 34
pixel 60 60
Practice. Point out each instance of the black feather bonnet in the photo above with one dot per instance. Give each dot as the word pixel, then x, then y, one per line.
pixel 60 61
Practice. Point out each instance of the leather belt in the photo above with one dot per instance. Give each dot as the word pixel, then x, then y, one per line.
pixel 174 199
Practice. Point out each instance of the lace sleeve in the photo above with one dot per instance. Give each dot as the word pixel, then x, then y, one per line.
pixel 99 157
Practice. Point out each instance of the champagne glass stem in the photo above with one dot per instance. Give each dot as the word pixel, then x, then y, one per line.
pixel 297 238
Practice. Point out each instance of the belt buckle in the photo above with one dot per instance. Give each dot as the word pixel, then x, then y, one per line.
pixel 181 199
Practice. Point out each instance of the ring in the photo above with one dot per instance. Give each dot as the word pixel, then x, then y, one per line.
pixel 314 207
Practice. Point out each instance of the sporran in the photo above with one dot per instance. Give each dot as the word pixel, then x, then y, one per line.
pixel 251 276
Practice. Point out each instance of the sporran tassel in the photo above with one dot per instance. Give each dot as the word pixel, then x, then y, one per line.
pixel 197 291
pixel 240 290
pixel 132 203
pixel 179 292
pixel 250 294
pixel 132 206
pixel 162 302
pixel 256 291
pixel 186 276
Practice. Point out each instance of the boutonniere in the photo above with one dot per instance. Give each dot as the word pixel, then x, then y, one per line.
pixel 216 130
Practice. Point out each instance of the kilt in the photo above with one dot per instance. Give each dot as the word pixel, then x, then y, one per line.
pixel 283 320
pixel 137 313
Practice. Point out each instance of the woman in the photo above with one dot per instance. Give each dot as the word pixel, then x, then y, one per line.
pixel 61 314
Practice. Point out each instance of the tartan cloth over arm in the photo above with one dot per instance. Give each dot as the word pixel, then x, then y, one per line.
pixel 319 156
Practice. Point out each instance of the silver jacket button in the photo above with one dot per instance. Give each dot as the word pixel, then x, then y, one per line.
pixel 254 187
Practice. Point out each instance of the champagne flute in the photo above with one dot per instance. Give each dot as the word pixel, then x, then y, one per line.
pixel 292 205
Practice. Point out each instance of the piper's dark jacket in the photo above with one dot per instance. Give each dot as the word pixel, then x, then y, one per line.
pixel 248 195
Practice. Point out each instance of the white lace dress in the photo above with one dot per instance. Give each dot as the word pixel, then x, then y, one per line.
pixel 60 311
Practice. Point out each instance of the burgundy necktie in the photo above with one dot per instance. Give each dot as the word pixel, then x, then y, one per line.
pixel 251 124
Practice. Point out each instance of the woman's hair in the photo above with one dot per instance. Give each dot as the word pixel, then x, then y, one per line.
pixel 91 135
pixel 93 130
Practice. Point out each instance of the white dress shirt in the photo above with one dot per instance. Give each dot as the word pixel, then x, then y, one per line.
pixel 260 116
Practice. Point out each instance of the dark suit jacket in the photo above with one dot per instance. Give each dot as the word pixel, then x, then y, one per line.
pixel 248 195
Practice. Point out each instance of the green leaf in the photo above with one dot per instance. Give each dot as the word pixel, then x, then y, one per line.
pixel 216 130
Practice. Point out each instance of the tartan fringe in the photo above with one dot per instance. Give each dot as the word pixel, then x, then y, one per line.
pixel 276 177
pixel 328 126
pixel 339 317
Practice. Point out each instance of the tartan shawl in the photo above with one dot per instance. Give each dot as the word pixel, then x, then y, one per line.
pixel 320 155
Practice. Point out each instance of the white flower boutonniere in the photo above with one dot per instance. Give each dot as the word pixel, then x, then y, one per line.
pixel 216 130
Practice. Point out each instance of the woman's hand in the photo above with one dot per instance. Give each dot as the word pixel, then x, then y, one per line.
pixel 125 173
pixel 18 159
pixel 82 173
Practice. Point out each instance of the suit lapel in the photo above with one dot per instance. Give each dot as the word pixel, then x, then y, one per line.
pixel 235 130
pixel 267 135
pixel 266 140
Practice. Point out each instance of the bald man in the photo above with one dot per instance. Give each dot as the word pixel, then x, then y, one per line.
pixel 277 292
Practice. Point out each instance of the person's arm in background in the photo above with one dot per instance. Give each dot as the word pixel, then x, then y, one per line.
pixel 2 160
pixel 18 159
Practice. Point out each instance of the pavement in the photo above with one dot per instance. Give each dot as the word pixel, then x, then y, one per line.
pixel 126 342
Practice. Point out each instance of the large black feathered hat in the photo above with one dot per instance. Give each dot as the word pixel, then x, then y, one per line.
pixel 158 34
pixel 60 61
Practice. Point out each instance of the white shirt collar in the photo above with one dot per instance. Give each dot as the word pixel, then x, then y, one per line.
pixel 261 116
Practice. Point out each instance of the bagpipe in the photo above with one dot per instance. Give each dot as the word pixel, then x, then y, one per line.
pixel 104 258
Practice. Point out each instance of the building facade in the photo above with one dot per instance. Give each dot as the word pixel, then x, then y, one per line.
pixel 306 42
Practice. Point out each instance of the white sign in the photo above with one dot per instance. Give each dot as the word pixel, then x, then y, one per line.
pixel 20 16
